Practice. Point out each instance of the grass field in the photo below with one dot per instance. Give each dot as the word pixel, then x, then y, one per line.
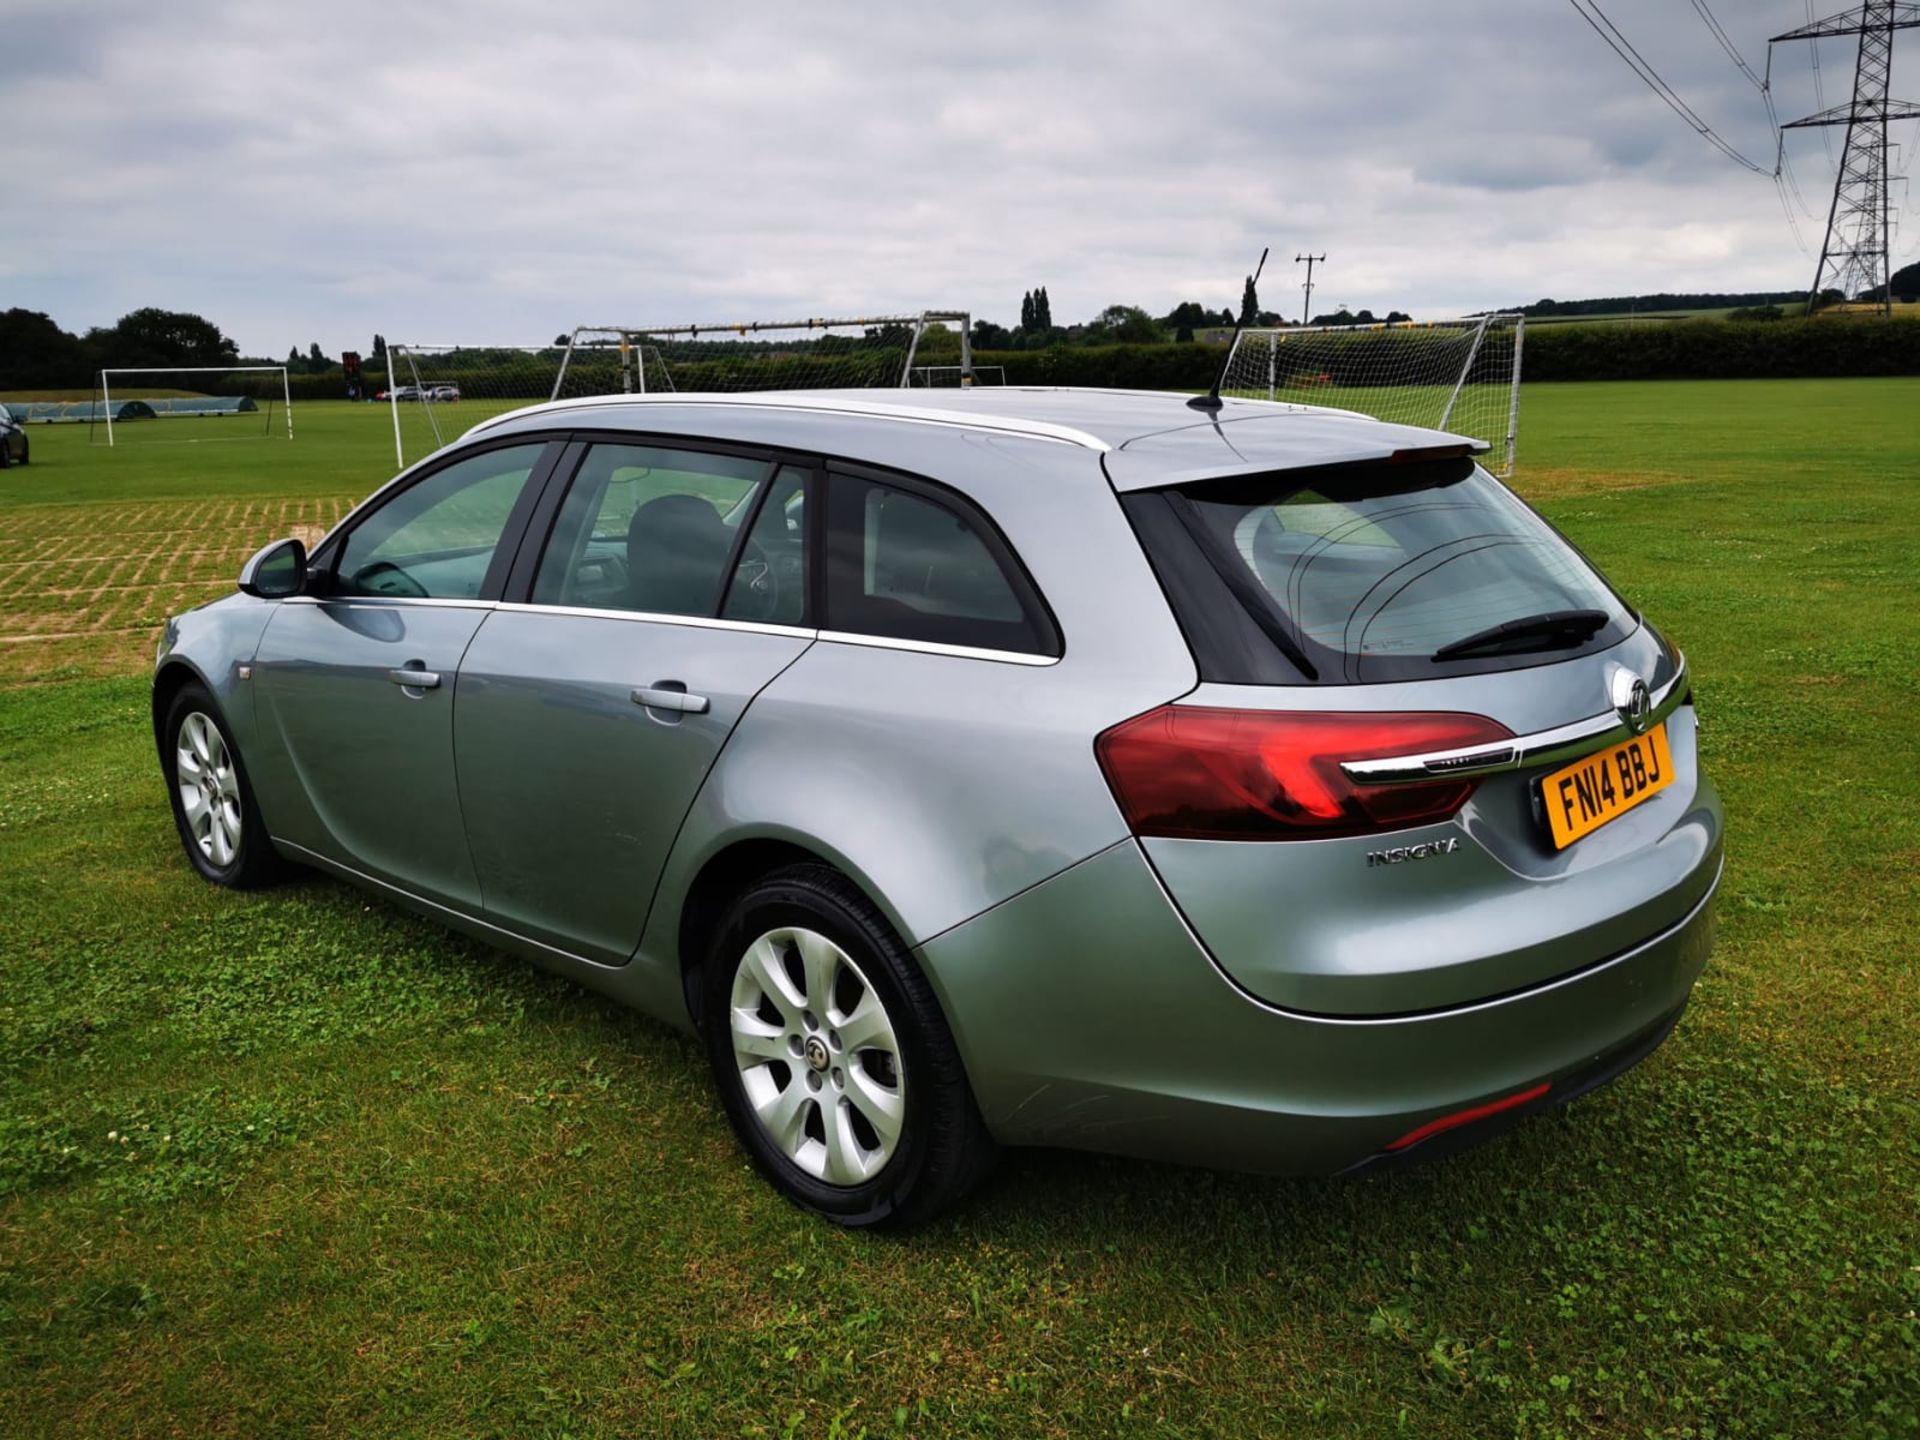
pixel 295 1163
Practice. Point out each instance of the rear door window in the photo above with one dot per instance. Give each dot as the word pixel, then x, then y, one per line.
pixel 1368 573
pixel 649 529
pixel 905 565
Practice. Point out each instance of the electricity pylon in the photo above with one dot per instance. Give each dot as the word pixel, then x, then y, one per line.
pixel 1856 256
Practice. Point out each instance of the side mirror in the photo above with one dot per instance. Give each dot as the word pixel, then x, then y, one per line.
pixel 275 572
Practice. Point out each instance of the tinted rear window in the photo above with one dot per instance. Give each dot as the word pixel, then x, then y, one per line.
pixel 1350 574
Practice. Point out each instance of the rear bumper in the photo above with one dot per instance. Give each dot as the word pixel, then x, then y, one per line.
pixel 1089 1017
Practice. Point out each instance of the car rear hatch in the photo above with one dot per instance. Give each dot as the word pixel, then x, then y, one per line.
pixel 1434 758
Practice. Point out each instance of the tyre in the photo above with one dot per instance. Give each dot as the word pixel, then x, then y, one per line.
pixel 834 1061
pixel 213 805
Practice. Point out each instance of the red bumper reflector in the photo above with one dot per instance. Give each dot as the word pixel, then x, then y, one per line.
pixel 1467 1117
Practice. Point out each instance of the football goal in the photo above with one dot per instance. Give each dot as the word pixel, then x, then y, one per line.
pixel 439 392
pixel 1457 375
pixel 197 402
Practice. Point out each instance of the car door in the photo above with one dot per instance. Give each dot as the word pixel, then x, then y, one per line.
pixel 357 680
pixel 670 587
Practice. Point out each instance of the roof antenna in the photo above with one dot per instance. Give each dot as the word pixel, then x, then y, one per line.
pixel 1211 400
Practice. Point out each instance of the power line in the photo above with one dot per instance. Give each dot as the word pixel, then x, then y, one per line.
pixel 1726 44
pixel 1782 165
pixel 1590 11
pixel 1819 96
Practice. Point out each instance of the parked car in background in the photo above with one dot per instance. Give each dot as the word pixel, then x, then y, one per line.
pixel 442 394
pixel 1269 788
pixel 14 448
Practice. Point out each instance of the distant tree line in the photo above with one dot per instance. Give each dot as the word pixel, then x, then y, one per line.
pixel 1663 300
pixel 1904 282
pixel 36 354
pixel 1132 325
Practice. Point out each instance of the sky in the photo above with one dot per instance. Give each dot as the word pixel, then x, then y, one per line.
pixel 480 172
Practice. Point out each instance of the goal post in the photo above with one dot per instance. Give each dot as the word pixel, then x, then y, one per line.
pixel 242 397
pixel 439 392
pixel 1458 375
pixel 817 353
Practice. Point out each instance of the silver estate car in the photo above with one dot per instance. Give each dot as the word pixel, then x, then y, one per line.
pixel 1267 787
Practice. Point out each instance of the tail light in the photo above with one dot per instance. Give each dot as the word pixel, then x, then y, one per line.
pixel 1199 773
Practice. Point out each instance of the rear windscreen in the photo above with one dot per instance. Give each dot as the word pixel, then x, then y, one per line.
pixel 1378 572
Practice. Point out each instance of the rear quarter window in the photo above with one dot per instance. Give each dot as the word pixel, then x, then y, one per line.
pixel 904 564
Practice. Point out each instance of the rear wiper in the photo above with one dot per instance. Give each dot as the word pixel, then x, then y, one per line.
pixel 1555 630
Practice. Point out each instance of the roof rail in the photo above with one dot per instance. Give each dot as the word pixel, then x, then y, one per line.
pixel 827 404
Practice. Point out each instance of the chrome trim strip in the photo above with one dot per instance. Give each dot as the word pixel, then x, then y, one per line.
pixel 701 622
pixel 929 647
pixel 774 400
pixel 1542 747
pixel 417 601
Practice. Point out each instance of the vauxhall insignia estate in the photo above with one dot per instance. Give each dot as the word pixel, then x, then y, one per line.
pixel 1258 785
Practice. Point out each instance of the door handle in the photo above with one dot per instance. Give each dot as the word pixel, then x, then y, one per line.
pixel 415 679
pixel 670 695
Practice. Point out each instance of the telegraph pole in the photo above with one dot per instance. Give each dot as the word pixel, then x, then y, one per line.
pixel 1857 254
pixel 1306 315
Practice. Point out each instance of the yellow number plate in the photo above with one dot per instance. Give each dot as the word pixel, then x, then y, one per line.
pixel 1585 795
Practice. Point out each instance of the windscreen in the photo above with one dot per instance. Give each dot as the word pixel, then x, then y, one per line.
pixel 1370 573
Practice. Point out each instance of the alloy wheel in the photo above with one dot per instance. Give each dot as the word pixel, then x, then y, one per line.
pixel 209 789
pixel 818 1057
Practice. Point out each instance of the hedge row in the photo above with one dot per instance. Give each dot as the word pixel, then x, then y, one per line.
pixel 1678 350
pixel 1675 350
pixel 1724 350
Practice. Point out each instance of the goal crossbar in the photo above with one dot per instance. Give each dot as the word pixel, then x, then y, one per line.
pixel 437 392
pixel 639 336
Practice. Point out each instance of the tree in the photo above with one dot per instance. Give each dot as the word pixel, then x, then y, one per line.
pixel 1249 303
pixel 1026 312
pixel 293 358
pixel 159 339
pixel 1042 310
pixel 989 336
pixel 1122 325
pixel 316 358
pixel 379 351
pixel 1398 317
pixel 1904 283
pixel 36 353
pixel 1188 315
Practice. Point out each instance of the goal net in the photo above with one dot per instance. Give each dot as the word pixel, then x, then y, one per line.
pixel 1461 376
pixel 439 392
pixel 142 406
pixel 930 376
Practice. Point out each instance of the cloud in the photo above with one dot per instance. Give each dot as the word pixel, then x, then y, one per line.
pixel 494 173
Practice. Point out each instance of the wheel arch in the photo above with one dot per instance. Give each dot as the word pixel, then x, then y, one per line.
pixel 729 872
pixel 173 676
